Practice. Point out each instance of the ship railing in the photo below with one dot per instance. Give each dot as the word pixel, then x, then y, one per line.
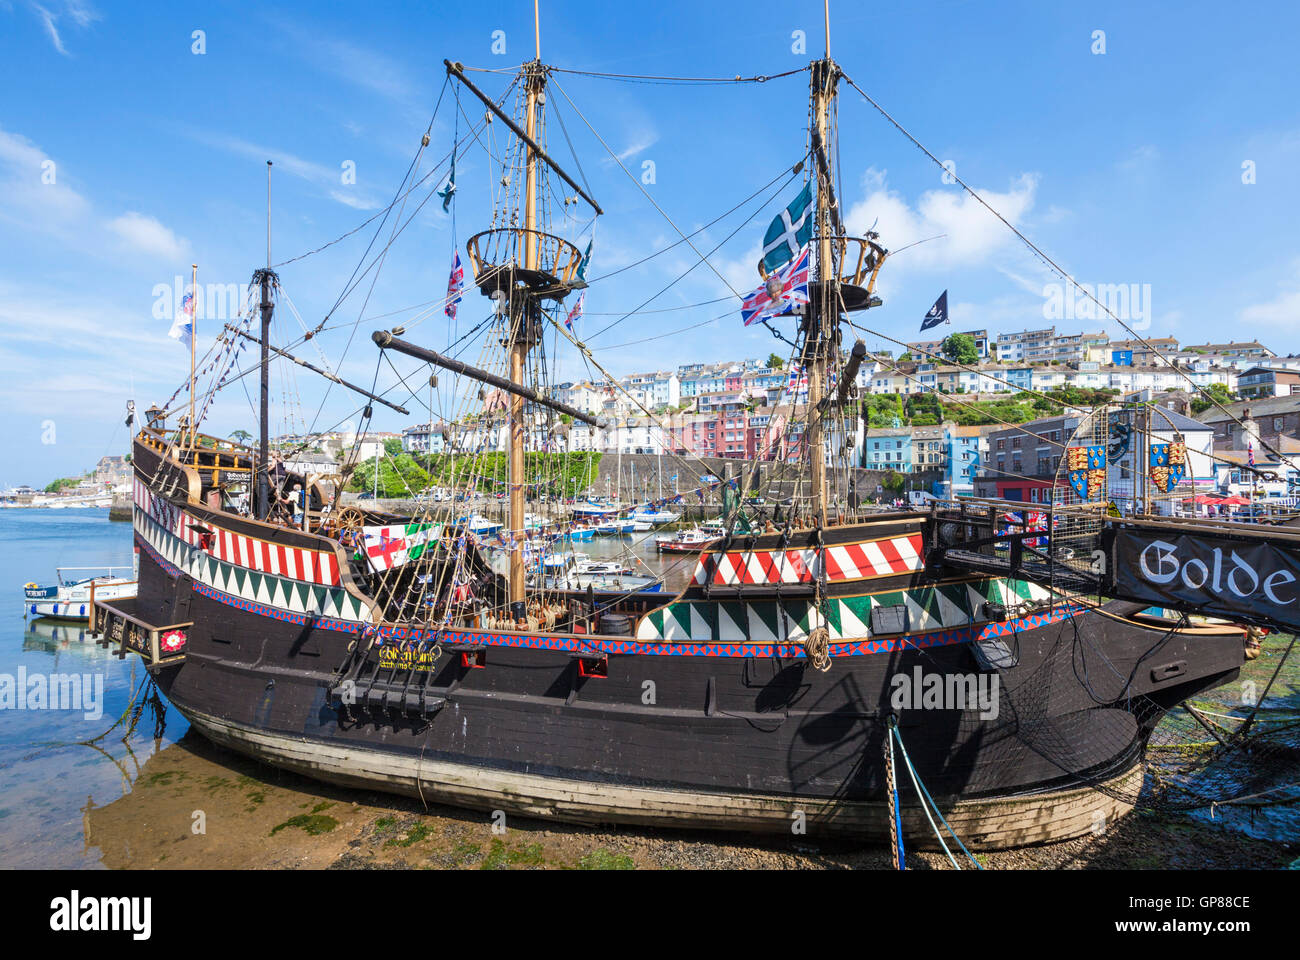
pixel 109 570
pixel 860 259
pixel 493 252
pixel 115 621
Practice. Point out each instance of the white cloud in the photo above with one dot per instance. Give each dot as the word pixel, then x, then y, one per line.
pixel 365 68
pixel 34 194
pixel 353 200
pixel 971 235
pixel 148 235
pixel 642 141
pixel 47 20
pixel 28 196
pixel 80 13
pixel 327 178
pixel 1282 310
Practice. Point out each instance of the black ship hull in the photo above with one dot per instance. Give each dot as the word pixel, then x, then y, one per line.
pixel 718 735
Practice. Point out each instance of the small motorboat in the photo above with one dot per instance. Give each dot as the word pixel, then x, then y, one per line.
pixel 694 540
pixel 70 598
pixel 480 525
pixel 615 528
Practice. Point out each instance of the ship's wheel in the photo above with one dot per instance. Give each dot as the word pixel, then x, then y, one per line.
pixel 346 523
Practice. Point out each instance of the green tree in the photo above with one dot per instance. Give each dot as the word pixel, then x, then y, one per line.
pixel 774 362
pixel 392 447
pixel 1217 392
pixel 960 348
pixel 399 476
pixel 241 436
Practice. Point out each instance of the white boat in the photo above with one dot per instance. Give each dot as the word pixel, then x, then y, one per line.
pixel 595 509
pixel 693 540
pixel 616 527
pixel 655 517
pixel 480 525
pixel 70 598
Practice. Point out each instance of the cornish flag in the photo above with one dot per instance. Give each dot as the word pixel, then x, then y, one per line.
pixel 793 277
pixel 392 546
pixel 183 326
pixel 455 284
pixel 576 312
pixel 792 228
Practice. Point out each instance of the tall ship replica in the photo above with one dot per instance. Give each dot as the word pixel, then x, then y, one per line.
pixel 421 655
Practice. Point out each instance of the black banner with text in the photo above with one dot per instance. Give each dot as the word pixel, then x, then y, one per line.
pixel 1238 580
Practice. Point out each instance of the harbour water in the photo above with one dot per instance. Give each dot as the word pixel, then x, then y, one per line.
pixel 57 764
pixel 93 788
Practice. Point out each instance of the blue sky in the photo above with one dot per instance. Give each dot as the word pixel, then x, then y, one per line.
pixel 1126 166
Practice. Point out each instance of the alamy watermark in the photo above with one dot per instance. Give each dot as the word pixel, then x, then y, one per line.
pixel 57 691
pixel 212 301
pixel 1130 302
pixel 919 690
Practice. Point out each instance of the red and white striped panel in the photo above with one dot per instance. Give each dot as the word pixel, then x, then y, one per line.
pixel 850 561
pixel 310 566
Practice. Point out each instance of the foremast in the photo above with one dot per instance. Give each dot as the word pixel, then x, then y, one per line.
pixel 822 318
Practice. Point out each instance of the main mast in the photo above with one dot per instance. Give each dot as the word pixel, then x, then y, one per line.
pixel 522 328
pixel 823 312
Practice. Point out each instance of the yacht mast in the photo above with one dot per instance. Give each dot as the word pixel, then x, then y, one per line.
pixel 823 313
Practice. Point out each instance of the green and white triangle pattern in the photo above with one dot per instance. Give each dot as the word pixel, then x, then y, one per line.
pixel 278 592
pixel 760 621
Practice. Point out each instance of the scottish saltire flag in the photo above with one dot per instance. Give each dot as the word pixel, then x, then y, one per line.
pixel 183 326
pixel 450 187
pixel 793 277
pixel 938 313
pixel 576 312
pixel 455 284
pixel 792 228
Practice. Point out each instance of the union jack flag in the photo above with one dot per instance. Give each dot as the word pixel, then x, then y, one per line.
pixel 576 312
pixel 455 283
pixel 798 382
pixel 793 277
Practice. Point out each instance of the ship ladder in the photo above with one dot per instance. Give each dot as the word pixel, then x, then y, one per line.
pixel 927 803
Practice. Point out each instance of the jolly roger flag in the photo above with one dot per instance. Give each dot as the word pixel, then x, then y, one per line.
pixel 938 313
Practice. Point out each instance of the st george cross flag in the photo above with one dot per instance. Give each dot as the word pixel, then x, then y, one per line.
pixel 938 313
pixel 183 326
pixel 793 277
pixel 392 546
pixel 576 312
pixel 455 284
pixel 792 228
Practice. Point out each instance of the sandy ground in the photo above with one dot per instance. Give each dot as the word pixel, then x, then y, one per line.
pixel 254 816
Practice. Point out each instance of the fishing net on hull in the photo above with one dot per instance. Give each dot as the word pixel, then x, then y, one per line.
pixel 1214 743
